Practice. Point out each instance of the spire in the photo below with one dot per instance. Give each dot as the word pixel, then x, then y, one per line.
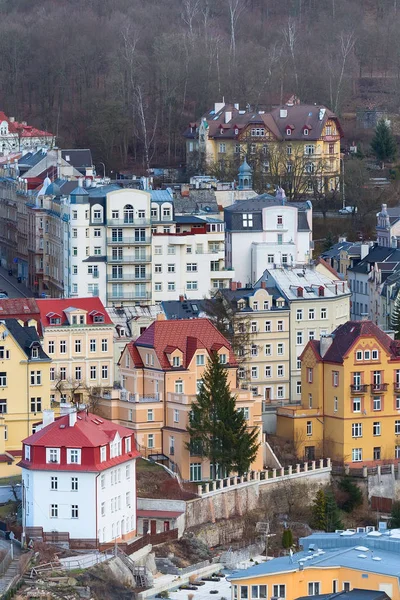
pixel 245 176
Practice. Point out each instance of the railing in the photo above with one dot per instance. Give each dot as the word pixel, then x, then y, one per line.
pixel 128 277
pixel 129 222
pixel 128 397
pixel 132 241
pixel 181 398
pixel 129 259
pixel 129 296
pixel 379 387
pixel 359 388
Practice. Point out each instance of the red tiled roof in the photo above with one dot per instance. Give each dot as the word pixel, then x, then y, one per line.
pixel 159 514
pixel 345 336
pixel 188 334
pixel 23 130
pixel 322 261
pixel 92 305
pixel 19 308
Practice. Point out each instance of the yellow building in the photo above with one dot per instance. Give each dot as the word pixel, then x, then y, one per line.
pixel 350 398
pixel 78 336
pixel 293 142
pixel 329 563
pixel 24 389
pixel 161 372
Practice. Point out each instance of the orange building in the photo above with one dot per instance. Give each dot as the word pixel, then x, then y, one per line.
pixel 161 372
pixel 350 409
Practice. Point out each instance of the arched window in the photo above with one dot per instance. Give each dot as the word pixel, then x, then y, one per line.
pixel 128 213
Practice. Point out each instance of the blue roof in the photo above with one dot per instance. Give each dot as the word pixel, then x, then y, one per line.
pixel 370 553
pixel 79 191
pixel 160 196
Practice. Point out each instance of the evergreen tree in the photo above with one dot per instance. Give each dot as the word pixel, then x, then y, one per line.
pixel 319 511
pixel 332 513
pixel 353 497
pixel 217 427
pixel 395 317
pixel 287 538
pixel 395 515
pixel 383 143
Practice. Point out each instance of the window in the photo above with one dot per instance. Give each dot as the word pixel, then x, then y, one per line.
pixel 104 371
pixel 299 314
pixel 52 455
pixel 309 375
pixel 280 239
pixel 63 346
pixel 73 456
pixel 359 355
pixel 195 471
pixel 309 428
pixel 356 430
pixel 36 378
pixel 179 386
pixel 51 348
pixel 280 326
pixel 377 453
pixel 93 372
pixel 223 359
pixel 311 314
pixel 313 588
pixel 176 415
pixel 299 338
pixel 150 414
pixel 268 349
pixel 176 361
pixel 158 286
pixel 367 355
pixel 281 371
pixel 376 403
pixel 247 220
pixel 279 591
pixel 254 327
pixel 92 345
pixel 171 268
pixel 158 250
pixel 270 259
pixel 104 345
pixel 171 286
pixel 376 428
pixel 397 402
pixel 397 451
pixel 280 391
pixel 191 267
pixel 244 592
pixel 27 452
pixel 191 285
pixel 36 405
pixel 298 363
pixel 356 405
pixel 254 372
pixel 397 427
pixel 335 378
pixel 280 349
pixel 200 360
pixel 375 355
pixel 323 313
pixel 268 371
pixel 298 387
pixel 54 483
pixel 222 148
pixel 53 511
pixel 63 373
pixel 97 233
pixel 356 454
pixel 309 149
pixel 74 511
pixel 335 404
pixel 268 326
pixel 258 591
pixel 97 250
pixel 254 350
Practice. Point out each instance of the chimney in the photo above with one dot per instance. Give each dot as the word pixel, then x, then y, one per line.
pixel 228 116
pixel 239 285
pixel 324 344
pixel 161 317
pixel 11 119
pixel 48 417
pixel 264 285
pixel 233 286
pixel 181 298
pixel 72 418
pixel 65 408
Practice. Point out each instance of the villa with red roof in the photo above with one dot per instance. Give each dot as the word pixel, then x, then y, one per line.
pixel 15 136
pixel 161 373
pixel 79 479
pixel 77 334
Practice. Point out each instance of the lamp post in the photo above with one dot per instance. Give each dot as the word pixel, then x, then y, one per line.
pixel 104 169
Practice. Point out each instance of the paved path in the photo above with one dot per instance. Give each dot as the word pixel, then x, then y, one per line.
pixel 13 568
pixel 12 287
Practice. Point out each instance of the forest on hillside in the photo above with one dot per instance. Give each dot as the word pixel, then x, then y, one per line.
pixel 124 77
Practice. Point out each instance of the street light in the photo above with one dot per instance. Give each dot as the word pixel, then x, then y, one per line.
pixel 342 176
pixel 104 169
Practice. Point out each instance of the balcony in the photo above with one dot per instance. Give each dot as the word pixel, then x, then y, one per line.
pixel 137 398
pixel 128 277
pixel 129 259
pixel 181 398
pixel 359 388
pixel 128 222
pixel 396 386
pixel 378 387
pixel 138 296
pixel 131 241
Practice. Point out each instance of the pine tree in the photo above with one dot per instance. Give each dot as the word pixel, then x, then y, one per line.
pixel 395 317
pixel 395 515
pixel 319 511
pixel 383 143
pixel 353 495
pixel 332 513
pixel 217 427
pixel 287 538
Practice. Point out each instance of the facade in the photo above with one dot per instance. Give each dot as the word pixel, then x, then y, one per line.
pixel 292 140
pixel 14 226
pixel 350 398
pixel 15 136
pixel 160 375
pixel 78 474
pixel 344 255
pixel 24 386
pixel 77 334
pixel 317 304
pixel 266 230
pixel 362 559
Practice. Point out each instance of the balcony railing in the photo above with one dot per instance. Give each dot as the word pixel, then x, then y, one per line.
pixel 128 277
pixel 128 222
pixel 129 259
pixel 131 241
pixel 128 397
pixel 379 387
pixel 129 295
pixel 359 388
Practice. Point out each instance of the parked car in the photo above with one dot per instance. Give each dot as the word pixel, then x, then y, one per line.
pixel 348 210
pixel 3 295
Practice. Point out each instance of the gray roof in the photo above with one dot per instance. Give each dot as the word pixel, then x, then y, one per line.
pixel 78 157
pixel 234 296
pixel 189 219
pixel 160 196
pixel 183 309
pixel 354 594
pixel 103 190
pixel 260 202
pixel 25 337
pixel 378 254
pixel 79 191
pixel 335 250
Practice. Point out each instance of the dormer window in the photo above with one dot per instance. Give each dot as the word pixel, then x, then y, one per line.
pixel 200 360
pixel 103 453
pixel 223 359
pixel 27 453
pixel 53 455
pixel 35 352
pixel 299 292
pixel 176 361
pixel 305 131
pixel 98 318
pixel 236 131
pixel 128 444
pixel 321 290
pixel 288 131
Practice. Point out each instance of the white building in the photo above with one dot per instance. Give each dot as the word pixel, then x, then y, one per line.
pixel 79 478
pixel 266 230
pixel 15 136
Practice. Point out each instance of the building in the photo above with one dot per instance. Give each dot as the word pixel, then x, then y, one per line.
pixel 25 310
pixel 15 136
pixel 350 398
pixel 362 559
pixel 290 140
pixel 317 304
pixel 14 226
pixel 77 334
pixel 160 375
pixel 24 387
pixel 79 478
pixel 344 255
pixel 266 230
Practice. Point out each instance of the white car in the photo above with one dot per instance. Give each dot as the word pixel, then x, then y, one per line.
pixel 348 210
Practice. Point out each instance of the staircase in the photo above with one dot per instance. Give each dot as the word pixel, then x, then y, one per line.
pixel 141 575
pixel 10 567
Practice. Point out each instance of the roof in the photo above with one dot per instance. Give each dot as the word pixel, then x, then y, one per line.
pixel 233 296
pixel 159 514
pixel 371 553
pixel 78 157
pixel 354 594
pixel 183 309
pixel 160 196
pixel 22 129
pixel 25 338
pixel 321 261
pixel 289 279
pixel 347 334
pixel 19 308
pixel 89 431
pixel 188 335
pixel 189 219
pixel 58 306
pixel 378 254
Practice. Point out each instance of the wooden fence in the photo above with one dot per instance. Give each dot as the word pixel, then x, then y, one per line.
pixel 145 540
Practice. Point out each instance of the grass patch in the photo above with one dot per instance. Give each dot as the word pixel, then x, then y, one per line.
pixel 6 509
pixel 10 480
pixel 146 466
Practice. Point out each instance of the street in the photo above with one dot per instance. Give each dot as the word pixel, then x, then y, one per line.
pixel 11 286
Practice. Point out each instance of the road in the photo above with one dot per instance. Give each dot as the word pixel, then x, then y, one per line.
pixel 12 287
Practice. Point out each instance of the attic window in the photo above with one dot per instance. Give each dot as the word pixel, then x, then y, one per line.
pixel 55 321
pixel 288 131
pixel 176 361
pixel 321 291
pixel 99 318
pixel 236 131
pixel 305 131
pixel 299 292
pixel 35 352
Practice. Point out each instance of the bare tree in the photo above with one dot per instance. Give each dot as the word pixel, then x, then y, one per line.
pixel 147 132
pixel 347 42
pixel 191 9
pixel 290 36
pixel 235 7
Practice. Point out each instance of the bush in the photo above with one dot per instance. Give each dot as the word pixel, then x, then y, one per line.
pixel 351 496
pixel 395 515
pixel 287 539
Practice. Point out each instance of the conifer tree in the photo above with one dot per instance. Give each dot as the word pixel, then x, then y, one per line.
pixel 395 515
pixel 217 427
pixel 319 511
pixel 383 143
pixel 332 513
pixel 287 538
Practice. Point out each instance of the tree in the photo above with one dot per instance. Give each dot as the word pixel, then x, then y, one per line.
pixel 216 428
pixel 287 538
pixel 395 515
pixel 351 497
pixel 319 511
pixel 332 514
pixel 383 143
pixel 395 317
